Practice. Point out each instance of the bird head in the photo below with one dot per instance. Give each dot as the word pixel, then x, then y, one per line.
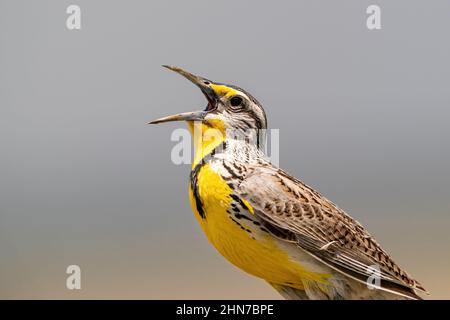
pixel 229 108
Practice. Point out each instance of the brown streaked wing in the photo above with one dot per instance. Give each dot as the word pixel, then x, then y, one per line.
pixel 321 228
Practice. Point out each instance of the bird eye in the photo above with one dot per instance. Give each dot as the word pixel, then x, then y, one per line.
pixel 235 101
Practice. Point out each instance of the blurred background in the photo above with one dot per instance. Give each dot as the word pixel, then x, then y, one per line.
pixel 363 117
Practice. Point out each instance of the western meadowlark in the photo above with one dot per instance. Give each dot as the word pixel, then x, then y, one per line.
pixel 267 222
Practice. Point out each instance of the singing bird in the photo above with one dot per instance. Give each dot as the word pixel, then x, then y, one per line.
pixel 270 224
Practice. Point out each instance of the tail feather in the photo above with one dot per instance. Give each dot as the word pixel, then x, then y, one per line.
pixel 349 291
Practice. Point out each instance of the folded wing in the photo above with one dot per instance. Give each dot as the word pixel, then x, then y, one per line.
pixel 322 229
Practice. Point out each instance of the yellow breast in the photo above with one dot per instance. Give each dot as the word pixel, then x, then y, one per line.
pixel 258 254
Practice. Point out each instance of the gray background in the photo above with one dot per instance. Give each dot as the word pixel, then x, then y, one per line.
pixel 363 117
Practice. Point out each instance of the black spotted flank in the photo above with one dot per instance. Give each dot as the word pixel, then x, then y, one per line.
pixel 241 226
pixel 239 200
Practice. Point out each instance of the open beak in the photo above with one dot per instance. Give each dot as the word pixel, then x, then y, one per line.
pixel 205 87
pixel 185 116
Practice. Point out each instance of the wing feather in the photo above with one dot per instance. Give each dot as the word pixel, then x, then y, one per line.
pixel 321 228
